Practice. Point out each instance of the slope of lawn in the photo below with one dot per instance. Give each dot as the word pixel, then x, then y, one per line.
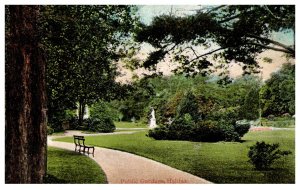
pixel 222 162
pixel 64 166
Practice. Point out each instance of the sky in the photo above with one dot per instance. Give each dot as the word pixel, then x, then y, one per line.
pixel 148 12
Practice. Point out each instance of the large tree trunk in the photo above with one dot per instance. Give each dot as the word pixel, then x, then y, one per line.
pixel 25 98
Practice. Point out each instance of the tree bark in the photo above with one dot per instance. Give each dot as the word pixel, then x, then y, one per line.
pixel 25 98
pixel 81 112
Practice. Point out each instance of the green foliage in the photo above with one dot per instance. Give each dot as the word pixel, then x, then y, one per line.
pixel 107 108
pixel 205 131
pixel 250 109
pixel 201 98
pixel 101 124
pixel 262 155
pixel 137 101
pixel 73 122
pixel 81 43
pixel 240 33
pixel 50 131
pixel 278 94
pixel 230 114
pixel 56 119
pixel 189 105
pixel 242 127
pixel 180 129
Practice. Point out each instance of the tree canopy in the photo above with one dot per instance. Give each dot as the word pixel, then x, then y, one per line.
pixel 81 43
pixel 278 94
pixel 224 32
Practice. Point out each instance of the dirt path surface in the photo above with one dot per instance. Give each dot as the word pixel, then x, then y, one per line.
pixel 122 167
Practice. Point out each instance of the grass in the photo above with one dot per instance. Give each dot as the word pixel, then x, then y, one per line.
pixel 66 166
pixel 129 125
pixel 221 162
pixel 279 122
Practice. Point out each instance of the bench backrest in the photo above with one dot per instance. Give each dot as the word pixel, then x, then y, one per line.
pixel 79 140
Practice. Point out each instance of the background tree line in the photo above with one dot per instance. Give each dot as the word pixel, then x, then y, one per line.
pixel 246 96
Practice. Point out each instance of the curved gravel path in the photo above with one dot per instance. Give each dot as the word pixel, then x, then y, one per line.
pixel 122 167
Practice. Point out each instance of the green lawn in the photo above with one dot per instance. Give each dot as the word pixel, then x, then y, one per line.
pixel 66 166
pixel 129 125
pixel 222 162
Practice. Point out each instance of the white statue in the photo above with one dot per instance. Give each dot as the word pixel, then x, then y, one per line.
pixel 152 119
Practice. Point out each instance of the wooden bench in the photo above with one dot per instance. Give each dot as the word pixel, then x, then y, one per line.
pixel 81 147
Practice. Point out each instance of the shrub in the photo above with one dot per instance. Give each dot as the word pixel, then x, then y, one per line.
pixel 100 124
pixel 189 105
pixel 228 132
pixel 50 131
pixel 242 127
pixel 263 155
pixel 179 129
pixel 205 131
pixel 73 122
pixel 250 108
pixel 230 114
pixel 159 133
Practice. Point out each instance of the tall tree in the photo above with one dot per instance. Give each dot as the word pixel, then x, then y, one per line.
pixel 223 32
pixel 278 93
pixel 82 42
pixel 25 98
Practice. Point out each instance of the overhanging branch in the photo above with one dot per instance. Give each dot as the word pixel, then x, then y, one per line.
pixel 208 53
pixel 287 49
pixel 272 48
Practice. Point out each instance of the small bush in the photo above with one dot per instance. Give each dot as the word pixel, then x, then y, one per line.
pixel 205 131
pixel 180 129
pixel 73 122
pixel 101 124
pixel 242 127
pixel 50 131
pixel 263 155
pixel 228 132
pixel 159 133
